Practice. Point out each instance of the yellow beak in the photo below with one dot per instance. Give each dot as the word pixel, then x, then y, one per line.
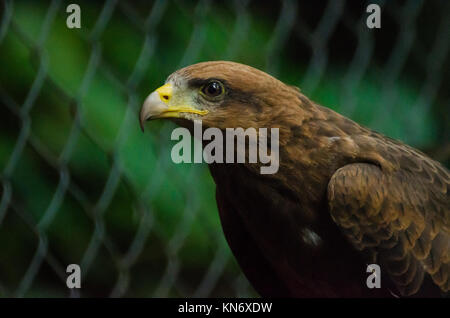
pixel 159 105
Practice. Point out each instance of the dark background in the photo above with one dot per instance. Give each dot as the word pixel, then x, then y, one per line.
pixel 79 182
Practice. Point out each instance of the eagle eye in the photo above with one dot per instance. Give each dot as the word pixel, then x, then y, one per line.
pixel 213 89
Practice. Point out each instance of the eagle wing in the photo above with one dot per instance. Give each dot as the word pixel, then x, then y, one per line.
pixel 400 217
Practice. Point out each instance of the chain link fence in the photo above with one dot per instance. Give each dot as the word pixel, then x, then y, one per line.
pixel 80 184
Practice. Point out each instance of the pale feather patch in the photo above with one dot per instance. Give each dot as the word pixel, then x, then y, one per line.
pixel 311 237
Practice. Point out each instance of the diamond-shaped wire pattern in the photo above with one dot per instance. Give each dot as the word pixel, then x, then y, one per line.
pixel 81 184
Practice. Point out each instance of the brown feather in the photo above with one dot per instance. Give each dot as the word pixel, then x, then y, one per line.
pixel 366 196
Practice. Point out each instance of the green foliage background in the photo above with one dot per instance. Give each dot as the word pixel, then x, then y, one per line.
pixel 87 181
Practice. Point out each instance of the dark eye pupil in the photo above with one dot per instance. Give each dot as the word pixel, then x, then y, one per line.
pixel 213 89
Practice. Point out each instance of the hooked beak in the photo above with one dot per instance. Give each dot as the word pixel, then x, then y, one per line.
pixel 159 105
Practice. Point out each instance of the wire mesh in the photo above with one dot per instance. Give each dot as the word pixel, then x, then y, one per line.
pixel 75 188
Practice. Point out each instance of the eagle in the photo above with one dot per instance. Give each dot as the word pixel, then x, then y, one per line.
pixel 344 197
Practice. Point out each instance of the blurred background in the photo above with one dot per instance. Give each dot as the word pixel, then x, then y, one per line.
pixel 80 183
